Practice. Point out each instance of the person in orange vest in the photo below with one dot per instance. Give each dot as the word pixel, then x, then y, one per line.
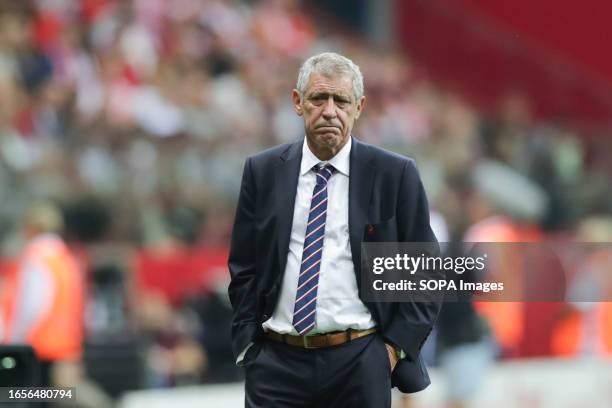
pixel 585 327
pixel 584 332
pixel 42 302
pixel 504 207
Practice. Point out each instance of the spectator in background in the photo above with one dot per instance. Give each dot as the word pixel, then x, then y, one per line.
pixel 464 346
pixel 585 326
pixel 166 315
pixel 504 206
pixel 214 310
pixel 44 300
pixel 507 207
pixel 173 354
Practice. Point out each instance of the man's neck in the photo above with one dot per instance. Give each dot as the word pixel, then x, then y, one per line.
pixel 325 154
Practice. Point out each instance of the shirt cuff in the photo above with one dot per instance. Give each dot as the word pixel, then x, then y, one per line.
pixel 243 353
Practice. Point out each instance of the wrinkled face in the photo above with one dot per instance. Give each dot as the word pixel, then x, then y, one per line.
pixel 329 110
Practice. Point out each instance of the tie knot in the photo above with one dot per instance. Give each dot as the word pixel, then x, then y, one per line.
pixel 324 173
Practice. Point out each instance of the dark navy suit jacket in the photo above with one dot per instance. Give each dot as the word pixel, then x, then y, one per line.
pixel 387 203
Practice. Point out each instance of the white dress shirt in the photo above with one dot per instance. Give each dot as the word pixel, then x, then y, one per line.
pixel 338 305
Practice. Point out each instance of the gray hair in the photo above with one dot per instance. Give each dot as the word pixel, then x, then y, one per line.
pixel 330 64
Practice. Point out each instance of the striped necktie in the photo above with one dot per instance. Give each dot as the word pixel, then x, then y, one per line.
pixel 308 281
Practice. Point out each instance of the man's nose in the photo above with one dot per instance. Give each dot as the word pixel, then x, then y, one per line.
pixel 329 110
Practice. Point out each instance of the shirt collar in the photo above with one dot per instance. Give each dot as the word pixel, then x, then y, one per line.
pixel 341 161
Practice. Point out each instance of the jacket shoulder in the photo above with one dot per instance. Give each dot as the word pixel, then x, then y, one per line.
pixel 385 157
pixel 273 152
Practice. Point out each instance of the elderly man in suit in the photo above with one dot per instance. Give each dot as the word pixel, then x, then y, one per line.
pixel 300 327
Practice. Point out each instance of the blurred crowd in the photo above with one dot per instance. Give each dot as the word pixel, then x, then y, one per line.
pixel 135 116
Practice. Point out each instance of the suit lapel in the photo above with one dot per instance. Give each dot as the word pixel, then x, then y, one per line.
pixel 361 182
pixel 286 180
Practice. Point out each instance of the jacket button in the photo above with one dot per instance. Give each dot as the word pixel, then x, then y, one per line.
pixel 265 317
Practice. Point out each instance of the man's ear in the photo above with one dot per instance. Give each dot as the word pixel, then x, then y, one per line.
pixel 297 102
pixel 360 106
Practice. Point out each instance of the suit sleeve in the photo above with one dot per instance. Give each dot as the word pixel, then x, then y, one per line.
pixel 241 263
pixel 413 321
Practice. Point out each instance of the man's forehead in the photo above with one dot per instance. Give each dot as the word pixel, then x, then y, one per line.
pixel 338 84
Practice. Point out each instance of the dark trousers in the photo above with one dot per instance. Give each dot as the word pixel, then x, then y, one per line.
pixel 355 374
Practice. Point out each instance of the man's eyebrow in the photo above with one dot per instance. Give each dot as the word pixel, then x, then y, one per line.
pixel 327 94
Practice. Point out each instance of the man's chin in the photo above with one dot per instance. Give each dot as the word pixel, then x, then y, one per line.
pixel 329 137
pixel 328 141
